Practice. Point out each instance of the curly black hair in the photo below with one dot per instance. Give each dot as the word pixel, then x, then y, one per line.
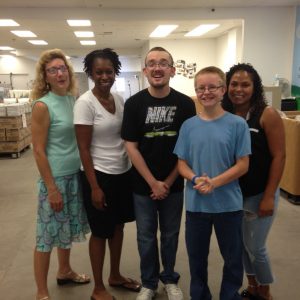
pixel 106 53
pixel 258 99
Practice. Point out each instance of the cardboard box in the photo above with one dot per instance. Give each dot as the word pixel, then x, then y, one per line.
pixel 11 147
pixel 27 141
pixel 291 174
pixel 15 122
pixel 28 107
pixel 14 110
pixel 292 114
pixel 2 134
pixel 2 110
pixel 28 118
pixel 17 134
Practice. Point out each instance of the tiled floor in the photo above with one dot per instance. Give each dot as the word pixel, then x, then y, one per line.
pixel 17 233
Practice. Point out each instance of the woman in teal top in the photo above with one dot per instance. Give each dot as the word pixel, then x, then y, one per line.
pixel 61 216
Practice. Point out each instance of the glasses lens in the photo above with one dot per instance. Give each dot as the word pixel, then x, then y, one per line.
pixel 161 64
pixel 54 70
pixel 210 89
pixel 63 68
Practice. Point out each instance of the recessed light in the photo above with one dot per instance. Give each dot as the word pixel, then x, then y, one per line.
pixel 202 29
pixel 8 22
pixel 6 48
pixel 23 33
pixel 84 34
pixel 162 30
pixel 38 42
pixel 87 43
pixel 78 23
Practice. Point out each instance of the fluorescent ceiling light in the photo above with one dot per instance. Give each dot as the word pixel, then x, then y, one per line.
pixel 162 30
pixel 38 42
pixel 68 57
pixel 8 22
pixel 87 43
pixel 7 56
pixel 202 29
pixel 84 34
pixel 23 33
pixel 6 48
pixel 79 23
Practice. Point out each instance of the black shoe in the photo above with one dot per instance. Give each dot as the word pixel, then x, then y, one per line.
pixel 247 294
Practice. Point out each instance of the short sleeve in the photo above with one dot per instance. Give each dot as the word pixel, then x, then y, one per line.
pixel 189 109
pixel 83 112
pixel 181 145
pixel 129 130
pixel 243 140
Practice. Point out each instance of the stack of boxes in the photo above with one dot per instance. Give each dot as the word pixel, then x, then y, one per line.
pixel 15 127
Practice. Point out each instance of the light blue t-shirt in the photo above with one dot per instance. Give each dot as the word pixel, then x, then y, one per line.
pixel 62 151
pixel 212 147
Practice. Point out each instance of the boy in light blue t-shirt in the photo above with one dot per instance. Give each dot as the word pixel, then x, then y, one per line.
pixel 212 150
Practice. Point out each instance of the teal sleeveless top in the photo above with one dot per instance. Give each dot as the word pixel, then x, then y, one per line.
pixel 62 151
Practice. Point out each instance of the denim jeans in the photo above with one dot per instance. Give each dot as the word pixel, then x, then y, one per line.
pixel 228 229
pixel 255 233
pixel 149 213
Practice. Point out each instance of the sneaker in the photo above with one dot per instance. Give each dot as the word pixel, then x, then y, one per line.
pixel 173 291
pixel 146 294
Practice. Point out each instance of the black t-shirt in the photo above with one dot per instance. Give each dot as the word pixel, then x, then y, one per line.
pixel 154 124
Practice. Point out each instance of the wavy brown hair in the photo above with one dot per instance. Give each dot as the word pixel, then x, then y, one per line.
pixel 40 87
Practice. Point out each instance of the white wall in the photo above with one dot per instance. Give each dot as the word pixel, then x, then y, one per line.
pixel 129 64
pixel 200 51
pixel 228 49
pixel 268 41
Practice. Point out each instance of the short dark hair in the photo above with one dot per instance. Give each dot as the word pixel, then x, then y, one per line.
pixel 258 100
pixel 106 53
pixel 162 50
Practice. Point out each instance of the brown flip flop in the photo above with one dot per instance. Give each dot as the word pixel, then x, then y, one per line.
pixel 130 284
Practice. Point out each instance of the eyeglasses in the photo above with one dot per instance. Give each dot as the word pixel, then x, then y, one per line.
pixel 161 64
pixel 54 70
pixel 210 89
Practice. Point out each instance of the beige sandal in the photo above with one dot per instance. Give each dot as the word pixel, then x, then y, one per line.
pixel 72 277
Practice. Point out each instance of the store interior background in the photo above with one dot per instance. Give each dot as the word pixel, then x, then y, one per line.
pixel 261 35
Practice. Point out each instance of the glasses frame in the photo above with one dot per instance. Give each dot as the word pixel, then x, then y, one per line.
pixel 54 70
pixel 160 64
pixel 210 89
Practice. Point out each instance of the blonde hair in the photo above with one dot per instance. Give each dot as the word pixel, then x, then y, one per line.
pixel 212 70
pixel 40 86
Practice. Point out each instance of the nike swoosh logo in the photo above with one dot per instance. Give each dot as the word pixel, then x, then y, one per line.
pixel 160 129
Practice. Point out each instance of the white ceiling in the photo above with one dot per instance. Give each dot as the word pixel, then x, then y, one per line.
pixel 121 24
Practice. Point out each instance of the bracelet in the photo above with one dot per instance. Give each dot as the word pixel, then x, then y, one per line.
pixel 194 179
